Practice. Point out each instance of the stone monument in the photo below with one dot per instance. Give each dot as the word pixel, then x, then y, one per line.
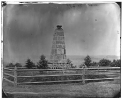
pixel 58 52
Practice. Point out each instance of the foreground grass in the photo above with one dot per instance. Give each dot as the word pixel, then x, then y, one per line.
pixel 95 89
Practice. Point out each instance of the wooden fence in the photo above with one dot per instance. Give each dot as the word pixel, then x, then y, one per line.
pixel 14 75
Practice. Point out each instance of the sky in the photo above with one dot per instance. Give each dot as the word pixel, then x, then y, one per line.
pixel 89 29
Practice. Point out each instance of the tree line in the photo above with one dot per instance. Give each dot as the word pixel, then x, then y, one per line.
pixel 103 62
pixel 29 64
pixel 43 63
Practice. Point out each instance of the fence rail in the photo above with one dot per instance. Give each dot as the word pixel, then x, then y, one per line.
pixel 8 80
pixel 82 73
pixel 8 69
pixel 62 75
pixel 97 68
pixel 8 74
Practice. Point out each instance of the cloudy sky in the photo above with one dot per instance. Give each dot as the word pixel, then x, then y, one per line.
pixel 89 29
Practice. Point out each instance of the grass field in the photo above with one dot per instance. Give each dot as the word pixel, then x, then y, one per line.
pixel 71 90
pixel 65 90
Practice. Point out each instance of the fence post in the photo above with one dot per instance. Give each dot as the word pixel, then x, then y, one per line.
pixel 63 70
pixel 83 75
pixel 15 76
pixel 98 68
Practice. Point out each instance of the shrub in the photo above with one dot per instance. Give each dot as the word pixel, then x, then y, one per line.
pixel 104 62
pixel 10 65
pixel 18 65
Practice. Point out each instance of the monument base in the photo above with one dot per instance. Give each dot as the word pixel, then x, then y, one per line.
pixel 58 65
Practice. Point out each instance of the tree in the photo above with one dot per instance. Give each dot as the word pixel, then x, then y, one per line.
pixel 104 62
pixel 70 63
pixel 43 63
pixel 29 64
pixel 116 63
pixel 113 64
pixel 87 61
pixel 94 64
